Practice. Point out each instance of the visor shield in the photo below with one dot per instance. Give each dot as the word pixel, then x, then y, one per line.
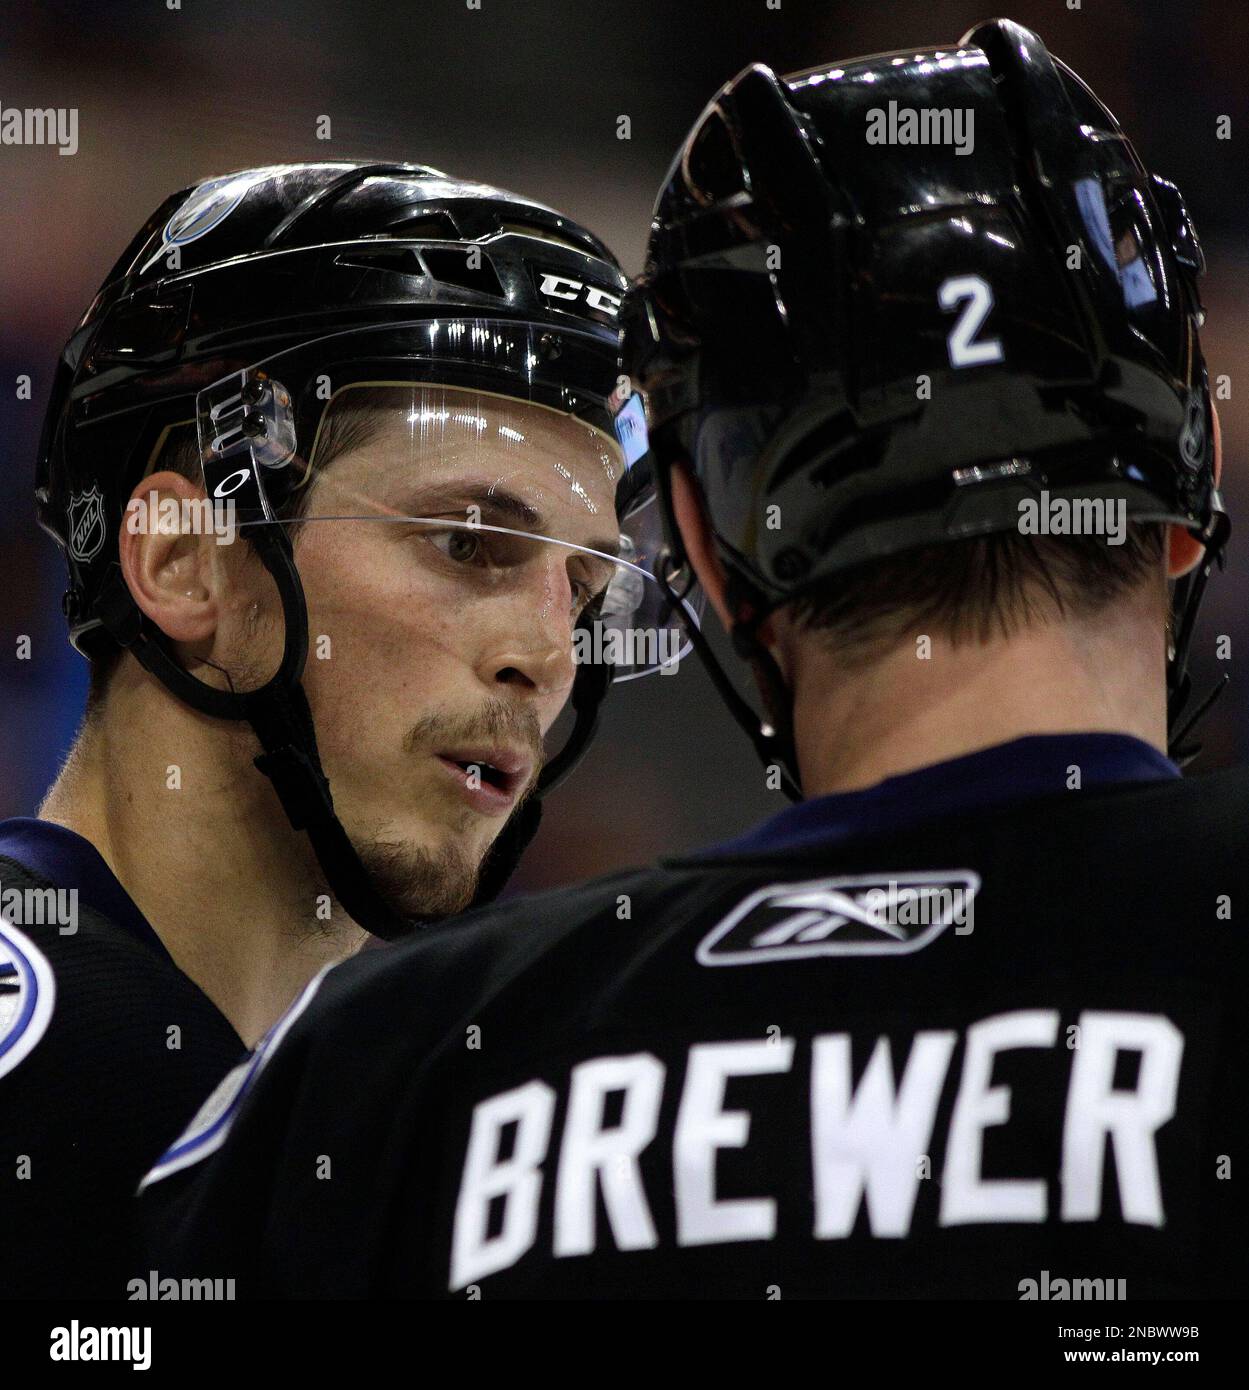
pixel 492 445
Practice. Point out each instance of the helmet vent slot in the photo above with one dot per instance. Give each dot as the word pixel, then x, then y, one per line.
pixel 468 269
pixel 429 226
pixel 533 229
pixel 403 261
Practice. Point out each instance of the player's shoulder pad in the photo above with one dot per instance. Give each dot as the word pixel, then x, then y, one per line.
pixel 27 995
pixel 208 1130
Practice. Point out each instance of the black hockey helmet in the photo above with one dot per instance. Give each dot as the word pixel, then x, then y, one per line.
pixel 894 296
pixel 250 304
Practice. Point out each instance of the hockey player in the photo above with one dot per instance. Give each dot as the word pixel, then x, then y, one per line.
pixel 934 433
pixel 331 457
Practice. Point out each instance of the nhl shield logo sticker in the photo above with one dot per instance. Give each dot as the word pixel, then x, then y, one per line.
pixel 86 525
pixel 864 915
pixel 27 993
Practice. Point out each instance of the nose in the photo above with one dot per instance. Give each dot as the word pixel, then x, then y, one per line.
pixel 531 651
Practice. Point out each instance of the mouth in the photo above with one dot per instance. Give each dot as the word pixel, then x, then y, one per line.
pixel 490 778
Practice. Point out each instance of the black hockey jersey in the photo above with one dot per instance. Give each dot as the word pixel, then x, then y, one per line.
pixel 967 1034
pixel 106 1050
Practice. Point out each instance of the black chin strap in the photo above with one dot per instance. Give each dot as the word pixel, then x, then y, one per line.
pixel 1188 595
pixel 773 737
pixel 589 690
pixel 278 713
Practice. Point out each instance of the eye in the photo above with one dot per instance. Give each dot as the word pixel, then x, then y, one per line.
pixel 588 590
pixel 464 547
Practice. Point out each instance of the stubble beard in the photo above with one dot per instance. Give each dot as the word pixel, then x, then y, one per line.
pixel 425 882
pixel 420 882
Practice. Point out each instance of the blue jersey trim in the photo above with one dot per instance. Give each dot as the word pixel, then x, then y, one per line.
pixel 208 1130
pixel 68 860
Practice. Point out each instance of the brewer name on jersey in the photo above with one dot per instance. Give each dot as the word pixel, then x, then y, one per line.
pixel 867 1142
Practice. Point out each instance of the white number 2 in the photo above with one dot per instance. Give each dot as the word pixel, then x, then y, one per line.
pixel 964 350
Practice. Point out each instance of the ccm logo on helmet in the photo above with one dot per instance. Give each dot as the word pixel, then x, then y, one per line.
pixel 563 287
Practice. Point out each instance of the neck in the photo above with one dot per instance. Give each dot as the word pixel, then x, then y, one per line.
pixel 854 728
pixel 208 858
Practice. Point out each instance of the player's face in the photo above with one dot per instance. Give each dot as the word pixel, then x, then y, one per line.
pixel 439 658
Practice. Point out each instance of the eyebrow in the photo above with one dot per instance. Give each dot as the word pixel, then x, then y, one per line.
pixel 503 503
pixel 508 505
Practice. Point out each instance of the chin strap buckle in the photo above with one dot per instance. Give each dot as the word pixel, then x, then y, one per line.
pixel 302 788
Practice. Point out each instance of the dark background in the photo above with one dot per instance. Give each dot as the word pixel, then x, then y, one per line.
pixel 526 94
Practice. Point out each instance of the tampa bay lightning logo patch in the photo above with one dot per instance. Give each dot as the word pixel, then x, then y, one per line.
pixel 208 206
pixel 867 915
pixel 27 994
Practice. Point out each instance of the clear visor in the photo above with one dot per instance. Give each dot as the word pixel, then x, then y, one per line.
pixel 497 451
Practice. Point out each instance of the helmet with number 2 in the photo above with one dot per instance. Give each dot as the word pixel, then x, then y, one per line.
pixel 886 336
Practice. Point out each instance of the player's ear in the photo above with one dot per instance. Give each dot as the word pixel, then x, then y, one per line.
pixel 170 575
pixel 1184 551
pixel 691 518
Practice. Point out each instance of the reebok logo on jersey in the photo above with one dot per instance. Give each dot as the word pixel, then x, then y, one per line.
pixel 864 915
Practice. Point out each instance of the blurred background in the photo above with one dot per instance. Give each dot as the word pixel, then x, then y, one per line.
pixel 526 94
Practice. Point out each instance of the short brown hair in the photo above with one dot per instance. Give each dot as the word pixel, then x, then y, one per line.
pixel 968 591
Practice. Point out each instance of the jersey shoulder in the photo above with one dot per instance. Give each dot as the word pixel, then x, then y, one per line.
pixel 105 1050
pixel 77 984
pixel 1150 847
